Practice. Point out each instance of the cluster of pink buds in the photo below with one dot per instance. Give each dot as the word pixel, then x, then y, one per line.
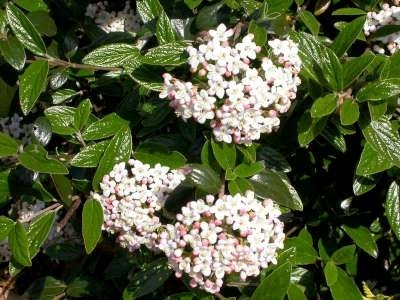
pixel 240 95
pixel 216 237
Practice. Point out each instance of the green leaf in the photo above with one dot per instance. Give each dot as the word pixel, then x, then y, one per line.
pixel 377 109
pixel 148 280
pixel 310 21
pixel 275 285
pixel 119 149
pixel 363 184
pixel 63 95
pixel 6 95
pixel 148 9
pixel 391 67
pixel 305 252
pixel 372 162
pixel 260 33
pixel 239 186
pixel 38 231
pixel 32 82
pixel 347 36
pixel 152 154
pixel 6 225
pixel 32 5
pixel 352 69
pixel 8 146
pixel 273 159
pixel 34 157
pixel 42 131
pixel 348 11
pixel 45 288
pixel 19 245
pixel 296 292
pixel 384 139
pixel 82 114
pixel 225 154
pixel 92 220
pixel 164 31
pixel 207 156
pixel 349 112
pixel 379 90
pixel 204 178
pixel 248 169
pixel 333 135
pixel 320 62
pixel 103 128
pixel 344 254
pixel 340 284
pixel 61 119
pixel 270 184
pixel 324 106
pixel 208 16
pixel 24 30
pixel 114 55
pixel 89 157
pixel 43 23
pixel 192 4
pixel 64 251
pixel 392 208
pixel 171 54
pixel 309 128
pixel 362 237
pixel 64 188
pixel 4 188
pixel 13 52
pixel 83 286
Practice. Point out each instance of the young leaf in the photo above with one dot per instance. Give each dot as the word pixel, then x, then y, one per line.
pixel 103 128
pixel 119 149
pixel 353 68
pixel 331 273
pixel 310 21
pixel 379 90
pixel 24 30
pixel 305 252
pixel 82 114
pixel 392 208
pixel 239 186
pixel 171 54
pixel 6 225
pixel 225 154
pixel 89 157
pixel 275 285
pixel 34 157
pixel 324 106
pixel 164 31
pixel 61 119
pixel 13 52
pixel 349 112
pixel 372 162
pixel 362 237
pixel 152 154
pixel 246 170
pixel 19 245
pixel 8 146
pixel 344 254
pixel 347 36
pixel 38 231
pixel 92 220
pixel 32 82
pixel 203 178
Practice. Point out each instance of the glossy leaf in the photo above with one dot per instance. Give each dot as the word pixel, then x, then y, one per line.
pixel 352 69
pixel 63 95
pixel 372 162
pixel 273 159
pixel 119 149
pixel 171 54
pixel 34 157
pixel 13 52
pixel 152 154
pixel 82 114
pixel 363 184
pixel 164 30
pixel 32 5
pixel 275 285
pixel 42 131
pixel 305 252
pixel 347 36
pixel 24 30
pixel 333 135
pixel 246 170
pixel 349 112
pixel 148 9
pixel 32 82
pixel 362 237
pixel 92 220
pixel 392 208
pixel 38 231
pixel 6 225
pixel 379 90
pixel 19 244
pixel 204 178
pixel 324 106
pixel 224 153
pixel 308 128
pixel 61 119
pixel 89 157
pixel 8 146
pixel 103 128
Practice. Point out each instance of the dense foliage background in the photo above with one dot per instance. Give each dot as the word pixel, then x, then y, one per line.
pixel 88 98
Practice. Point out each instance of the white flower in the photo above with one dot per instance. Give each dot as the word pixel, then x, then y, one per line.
pixel 221 34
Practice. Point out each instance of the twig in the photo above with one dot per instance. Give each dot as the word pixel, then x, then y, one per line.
pixel 221 191
pixel 54 206
pixel 75 204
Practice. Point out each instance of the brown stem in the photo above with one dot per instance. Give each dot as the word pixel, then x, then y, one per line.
pixel 75 204
pixel 51 207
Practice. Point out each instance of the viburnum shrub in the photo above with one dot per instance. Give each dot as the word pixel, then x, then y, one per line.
pixel 220 149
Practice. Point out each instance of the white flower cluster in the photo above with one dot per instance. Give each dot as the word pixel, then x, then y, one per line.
pixel 213 238
pixel 241 97
pixel 389 15
pixel 131 196
pixel 13 127
pixel 124 20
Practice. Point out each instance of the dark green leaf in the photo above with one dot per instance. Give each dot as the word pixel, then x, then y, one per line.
pixel 347 36
pixel 32 82
pixel 310 21
pixel 38 230
pixel 386 30
pixel 148 280
pixel 372 162
pixel 204 178
pixel 340 284
pixel 19 244
pixel 208 16
pixel 114 55
pixel 43 23
pixel 171 54
pixel 324 106
pixel 45 288
pixel 308 128
pixel 119 149
pixel 8 146
pixel 391 67
pixel 363 184
pixel 275 285
pixel 349 112
pixel 379 90
pixel 348 11
pixel 63 95
pixel 164 31
pixel 225 154
pixel 64 188
pixel 352 69
pixel 32 5
pixel 273 159
pixel 305 252
pixel 260 33
pixel 89 157
pixel 6 95
pixel 344 254
pixel 6 225
pixel 82 114
pixel 4 188
pixel 269 184
pixel 362 237
pixel 246 170
pixel 148 9
pixel 61 119
pixel 64 251
pixel 24 30
pixel 152 154
pixel 83 286
pixel 103 128
pixel 239 186
pixel 92 220
pixel 295 292
pixel 34 157
pixel 42 131
pixel 13 52
pixel 392 208
pixel 333 135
